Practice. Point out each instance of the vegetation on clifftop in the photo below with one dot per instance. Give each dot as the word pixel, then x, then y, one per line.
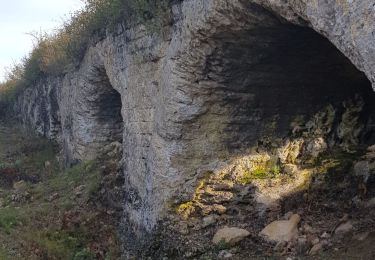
pixel 55 54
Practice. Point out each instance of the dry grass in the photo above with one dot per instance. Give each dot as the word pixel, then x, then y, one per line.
pixel 57 53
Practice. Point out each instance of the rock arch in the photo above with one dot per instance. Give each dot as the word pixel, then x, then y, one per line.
pixel 97 106
pixel 229 52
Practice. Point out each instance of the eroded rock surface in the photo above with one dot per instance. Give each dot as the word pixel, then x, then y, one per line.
pixel 224 77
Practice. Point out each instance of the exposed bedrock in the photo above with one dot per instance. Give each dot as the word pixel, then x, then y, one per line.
pixel 206 89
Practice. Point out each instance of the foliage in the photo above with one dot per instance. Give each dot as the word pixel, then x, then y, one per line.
pixel 261 171
pixel 8 219
pixel 62 244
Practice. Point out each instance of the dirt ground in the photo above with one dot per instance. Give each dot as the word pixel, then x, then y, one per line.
pixel 49 213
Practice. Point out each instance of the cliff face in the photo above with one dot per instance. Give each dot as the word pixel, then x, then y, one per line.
pixel 203 90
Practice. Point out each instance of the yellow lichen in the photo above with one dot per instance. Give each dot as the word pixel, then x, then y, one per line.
pixel 186 209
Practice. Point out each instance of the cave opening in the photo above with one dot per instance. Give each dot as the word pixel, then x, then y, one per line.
pixel 266 79
pixel 279 99
pixel 285 117
pixel 105 109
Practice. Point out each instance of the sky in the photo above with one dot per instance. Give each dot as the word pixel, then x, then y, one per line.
pixel 20 17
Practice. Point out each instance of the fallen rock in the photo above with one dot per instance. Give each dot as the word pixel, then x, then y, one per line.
pixel 20 186
pixel 316 249
pixel 79 190
pixel 216 208
pixel 230 235
pixel 362 168
pixel 370 203
pixel 209 220
pixel 308 229
pixel 371 148
pixel 53 197
pixel 225 254
pixel 282 230
pixel 361 236
pixel 290 169
pixel 344 228
pixel 47 164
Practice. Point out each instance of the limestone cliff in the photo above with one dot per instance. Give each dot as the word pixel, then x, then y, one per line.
pixel 204 89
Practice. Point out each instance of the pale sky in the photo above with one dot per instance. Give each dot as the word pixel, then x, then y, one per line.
pixel 19 17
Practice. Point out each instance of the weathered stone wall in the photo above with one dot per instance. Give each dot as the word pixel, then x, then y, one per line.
pixel 203 90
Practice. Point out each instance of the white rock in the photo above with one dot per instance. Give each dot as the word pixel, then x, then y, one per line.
pixel 225 254
pixel 371 148
pixel 344 228
pixel 230 235
pixel 282 230
pixel 315 249
pixel 209 220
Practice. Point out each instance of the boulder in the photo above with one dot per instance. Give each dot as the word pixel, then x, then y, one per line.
pixel 20 186
pixel 230 235
pixel 316 248
pixel 344 228
pixel 371 203
pixel 282 230
pixel 209 220
pixel 362 168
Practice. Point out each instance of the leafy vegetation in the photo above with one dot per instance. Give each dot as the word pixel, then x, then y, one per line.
pixel 57 53
pixel 8 219
pixel 261 171
pixel 46 212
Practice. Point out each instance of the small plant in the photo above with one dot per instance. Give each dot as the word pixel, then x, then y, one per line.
pixel 249 176
pixel 8 219
pixel 261 171
pixel 276 170
pixel 83 255
pixel 222 245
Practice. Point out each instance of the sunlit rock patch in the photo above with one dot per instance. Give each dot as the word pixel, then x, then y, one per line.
pixel 281 167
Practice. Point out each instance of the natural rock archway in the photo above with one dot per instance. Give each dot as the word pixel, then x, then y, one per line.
pixel 237 72
pixel 208 87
